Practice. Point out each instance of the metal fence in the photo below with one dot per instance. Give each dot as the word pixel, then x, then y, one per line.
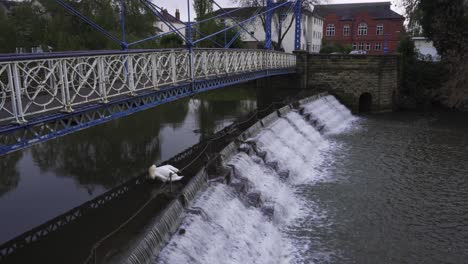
pixel 30 86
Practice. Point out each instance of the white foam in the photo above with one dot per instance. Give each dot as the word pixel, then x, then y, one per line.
pixel 230 232
pixel 265 180
pixel 331 113
pixel 299 152
pixel 222 228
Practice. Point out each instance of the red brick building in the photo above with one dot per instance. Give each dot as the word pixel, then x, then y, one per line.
pixel 372 27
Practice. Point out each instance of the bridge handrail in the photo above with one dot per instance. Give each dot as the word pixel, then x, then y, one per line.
pixel 33 85
pixel 11 57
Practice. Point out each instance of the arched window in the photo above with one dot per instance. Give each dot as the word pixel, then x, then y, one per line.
pixel 380 29
pixel 362 29
pixel 330 30
pixel 346 30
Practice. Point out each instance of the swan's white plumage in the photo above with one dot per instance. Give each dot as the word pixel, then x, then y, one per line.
pixel 170 167
pixel 164 173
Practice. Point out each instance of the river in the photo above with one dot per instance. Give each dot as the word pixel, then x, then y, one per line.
pixel 41 182
pixel 379 188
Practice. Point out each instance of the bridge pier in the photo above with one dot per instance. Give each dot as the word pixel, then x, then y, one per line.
pixel 364 83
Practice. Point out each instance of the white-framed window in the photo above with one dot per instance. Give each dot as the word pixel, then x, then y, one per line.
pixel 378 46
pixel 379 29
pixel 346 30
pixel 330 30
pixel 368 46
pixel 362 29
pixel 361 46
pixel 354 46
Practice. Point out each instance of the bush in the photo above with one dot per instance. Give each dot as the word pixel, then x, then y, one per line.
pixel 420 80
pixel 328 48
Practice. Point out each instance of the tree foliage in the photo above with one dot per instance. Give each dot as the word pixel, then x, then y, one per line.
pixel 328 48
pixel 47 24
pixel 445 22
pixel 202 8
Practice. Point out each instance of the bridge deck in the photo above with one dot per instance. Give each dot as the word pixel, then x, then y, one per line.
pixel 45 97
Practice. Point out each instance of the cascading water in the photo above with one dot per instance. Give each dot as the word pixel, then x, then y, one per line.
pixel 248 220
pixel 329 114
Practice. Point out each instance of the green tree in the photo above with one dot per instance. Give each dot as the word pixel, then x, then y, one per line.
pixel 446 24
pixel 47 24
pixel 328 48
pixel 212 27
pixel 170 41
pixel 202 8
pixel 7 37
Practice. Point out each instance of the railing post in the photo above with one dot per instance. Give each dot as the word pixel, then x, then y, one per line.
pixel 205 63
pixel 173 66
pixel 154 71
pixel 63 71
pixel 17 88
pixel 131 79
pixel 226 61
pixel 13 94
pixel 102 80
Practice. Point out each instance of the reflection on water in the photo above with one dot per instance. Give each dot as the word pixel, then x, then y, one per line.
pixel 50 178
pixel 9 176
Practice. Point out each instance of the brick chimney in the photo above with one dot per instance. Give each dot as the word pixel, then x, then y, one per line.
pixel 177 14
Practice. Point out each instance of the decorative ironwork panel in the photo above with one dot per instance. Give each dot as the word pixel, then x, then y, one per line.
pixel 32 87
pixel 7 95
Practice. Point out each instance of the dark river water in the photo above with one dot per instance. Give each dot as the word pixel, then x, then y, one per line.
pixel 51 178
pixel 398 194
pixel 396 188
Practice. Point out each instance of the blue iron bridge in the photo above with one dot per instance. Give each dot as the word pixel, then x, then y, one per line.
pixel 43 96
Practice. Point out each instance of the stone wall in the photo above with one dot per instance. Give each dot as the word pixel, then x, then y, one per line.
pixel 350 76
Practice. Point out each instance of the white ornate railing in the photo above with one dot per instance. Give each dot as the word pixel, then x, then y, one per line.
pixel 31 86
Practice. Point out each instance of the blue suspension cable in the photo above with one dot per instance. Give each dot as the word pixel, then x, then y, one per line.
pixel 242 22
pixel 155 11
pixel 193 24
pixel 235 21
pixel 239 32
pixel 194 28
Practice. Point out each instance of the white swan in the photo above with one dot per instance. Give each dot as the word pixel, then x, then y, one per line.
pixel 172 168
pixel 164 173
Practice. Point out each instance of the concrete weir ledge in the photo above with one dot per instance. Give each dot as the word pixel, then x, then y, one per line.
pixel 169 220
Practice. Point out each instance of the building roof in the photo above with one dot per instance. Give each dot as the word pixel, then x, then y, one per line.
pixel 172 19
pixel 378 10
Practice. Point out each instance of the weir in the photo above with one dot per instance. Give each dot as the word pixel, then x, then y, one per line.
pixel 234 179
pixel 243 216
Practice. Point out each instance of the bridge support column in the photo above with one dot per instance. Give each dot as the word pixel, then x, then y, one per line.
pixel 268 25
pixel 302 64
pixel 298 31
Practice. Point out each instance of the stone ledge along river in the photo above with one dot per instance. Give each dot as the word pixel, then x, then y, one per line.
pixel 316 185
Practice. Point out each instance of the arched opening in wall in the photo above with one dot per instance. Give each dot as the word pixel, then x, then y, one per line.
pixel 365 103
